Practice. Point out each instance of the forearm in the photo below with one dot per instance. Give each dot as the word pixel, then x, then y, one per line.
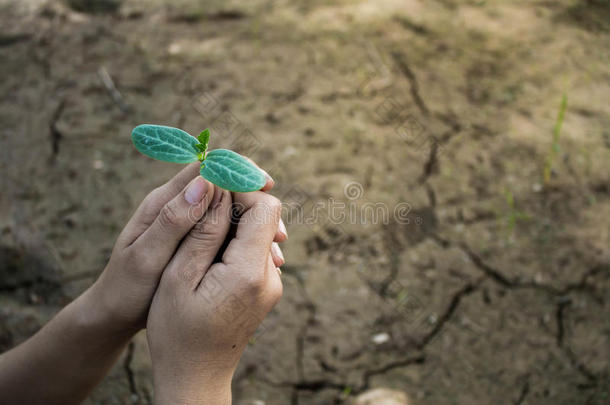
pixel 64 361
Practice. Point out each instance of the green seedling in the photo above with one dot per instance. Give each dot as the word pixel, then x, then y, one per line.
pixel 347 390
pixel 513 214
pixel 222 167
pixel 554 151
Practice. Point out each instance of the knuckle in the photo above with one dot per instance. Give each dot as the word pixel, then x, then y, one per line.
pixel 270 207
pixel 274 203
pixel 150 204
pixel 196 253
pixel 148 263
pixel 254 284
pixel 140 262
pixel 202 238
pixel 168 216
pixel 129 256
pixel 203 232
pixel 172 278
pixel 155 196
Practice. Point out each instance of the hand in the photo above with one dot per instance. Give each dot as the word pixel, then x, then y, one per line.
pixel 204 313
pixel 64 360
pixel 125 289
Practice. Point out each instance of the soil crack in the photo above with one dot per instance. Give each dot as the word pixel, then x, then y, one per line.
pixel 55 135
pixel 466 290
pixel 525 389
pixel 405 69
pixel 131 380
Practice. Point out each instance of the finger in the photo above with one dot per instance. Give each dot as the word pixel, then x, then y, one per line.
pixel 282 234
pixel 154 201
pixel 175 220
pixel 277 255
pixel 256 229
pixel 274 287
pixel 270 182
pixel 202 243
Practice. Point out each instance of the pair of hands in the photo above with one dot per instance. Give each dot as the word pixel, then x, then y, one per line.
pixel 201 290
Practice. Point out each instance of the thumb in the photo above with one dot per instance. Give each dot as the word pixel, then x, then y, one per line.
pixel 175 219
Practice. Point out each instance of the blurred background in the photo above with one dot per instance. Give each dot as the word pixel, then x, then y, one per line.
pixel 470 138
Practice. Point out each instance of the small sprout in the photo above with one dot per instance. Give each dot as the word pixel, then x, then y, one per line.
pixel 347 390
pixel 204 139
pixel 554 151
pixel 222 167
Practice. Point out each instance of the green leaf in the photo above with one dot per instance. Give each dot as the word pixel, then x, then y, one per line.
pixel 204 138
pixel 165 143
pixel 232 171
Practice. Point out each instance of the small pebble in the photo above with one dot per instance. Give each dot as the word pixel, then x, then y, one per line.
pixel 382 396
pixel 381 338
pixel 174 49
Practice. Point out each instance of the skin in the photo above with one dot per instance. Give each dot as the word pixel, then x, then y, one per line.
pixel 204 313
pixel 68 357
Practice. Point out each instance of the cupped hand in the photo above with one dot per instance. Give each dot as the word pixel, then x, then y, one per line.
pixel 124 291
pixel 212 297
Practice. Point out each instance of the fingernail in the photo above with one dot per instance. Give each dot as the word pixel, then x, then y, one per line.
pixel 196 190
pixel 275 248
pixel 218 193
pixel 268 176
pixel 282 229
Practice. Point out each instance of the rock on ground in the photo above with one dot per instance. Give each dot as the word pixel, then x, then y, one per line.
pixel 382 396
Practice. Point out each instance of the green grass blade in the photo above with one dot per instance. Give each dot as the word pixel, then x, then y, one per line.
pixel 231 171
pixel 548 166
pixel 165 143
pixel 560 117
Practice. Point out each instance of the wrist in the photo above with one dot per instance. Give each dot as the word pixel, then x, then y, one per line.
pixel 192 391
pixel 95 312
